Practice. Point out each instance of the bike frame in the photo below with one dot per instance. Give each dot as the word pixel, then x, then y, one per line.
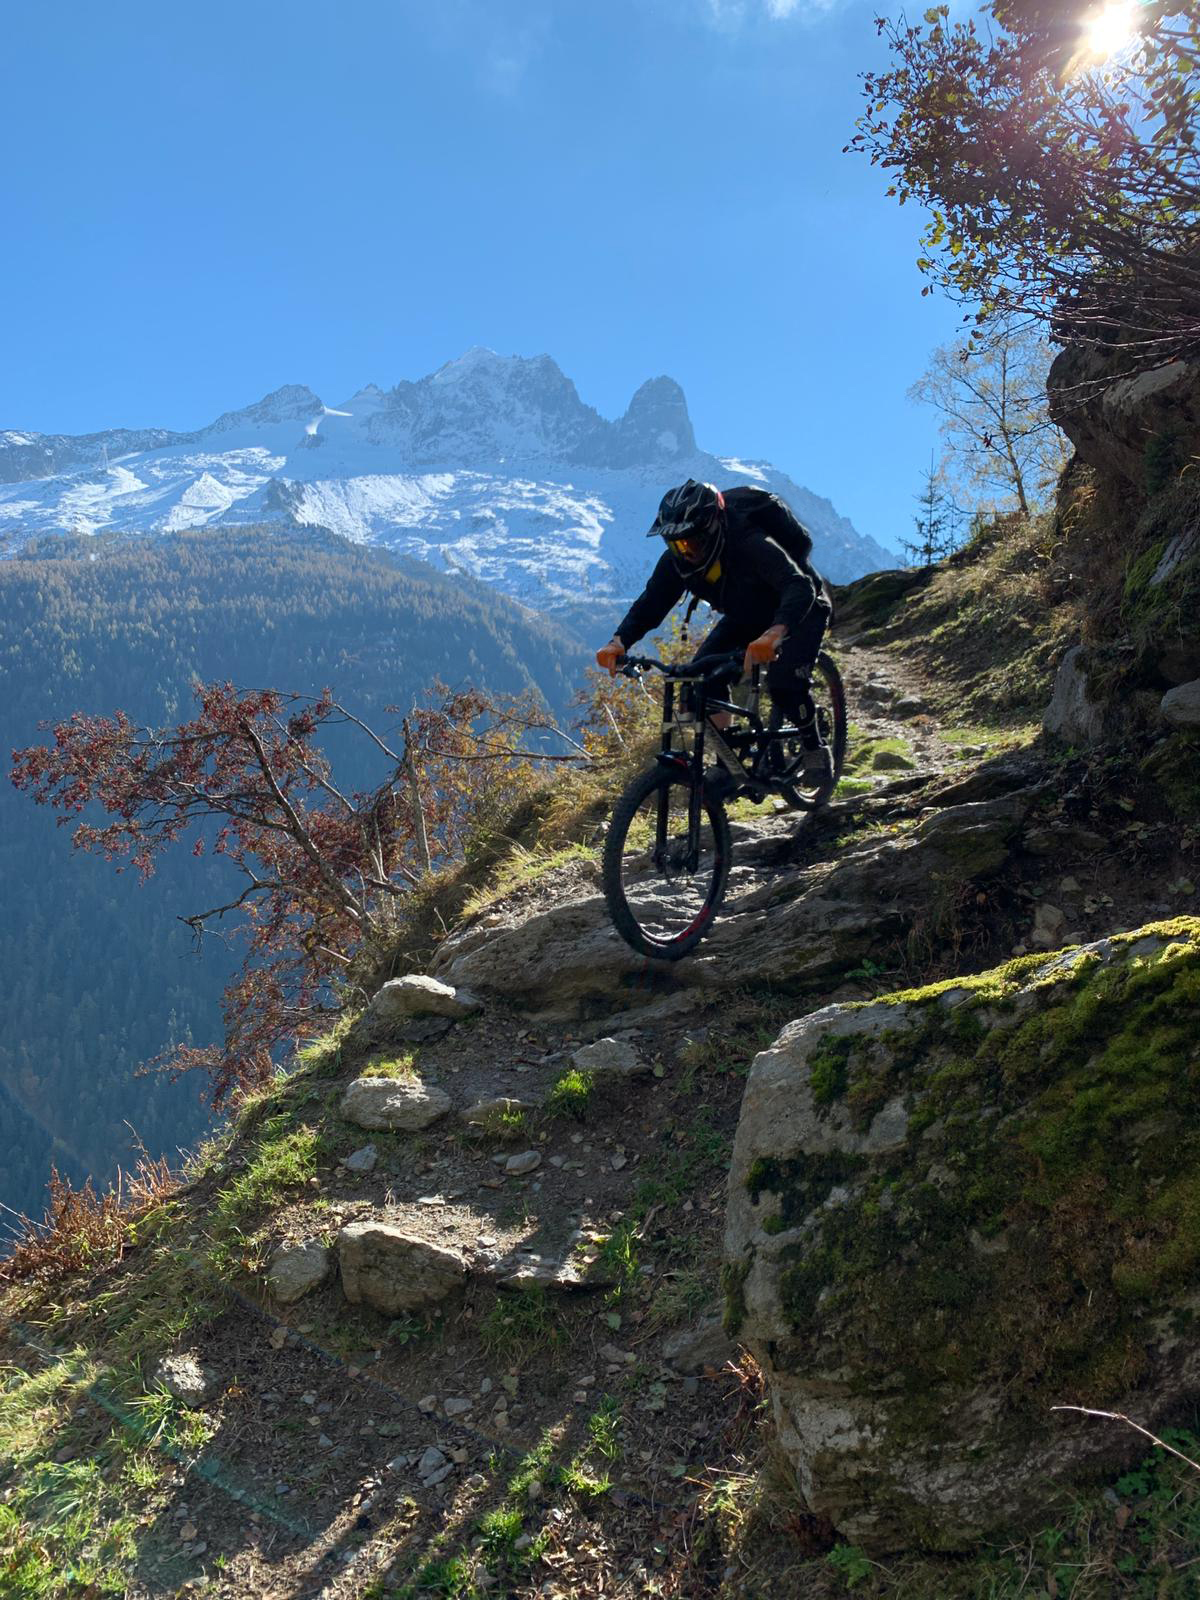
pixel 676 721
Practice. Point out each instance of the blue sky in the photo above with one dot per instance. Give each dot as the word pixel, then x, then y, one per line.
pixel 203 202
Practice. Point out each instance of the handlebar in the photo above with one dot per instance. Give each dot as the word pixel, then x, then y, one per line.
pixel 693 672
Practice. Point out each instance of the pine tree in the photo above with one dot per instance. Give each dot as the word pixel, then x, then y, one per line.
pixel 936 523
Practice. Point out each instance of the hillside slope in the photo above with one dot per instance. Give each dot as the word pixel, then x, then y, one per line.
pixel 103 975
pixel 504 1371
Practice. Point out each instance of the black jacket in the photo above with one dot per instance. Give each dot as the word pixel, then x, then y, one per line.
pixel 765 576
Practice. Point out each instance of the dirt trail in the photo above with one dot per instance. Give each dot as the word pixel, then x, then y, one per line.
pixel 887 700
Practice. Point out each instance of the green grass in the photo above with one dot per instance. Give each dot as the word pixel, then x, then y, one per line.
pixel 602 1428
pixel 403 1066
pixel 282 1159
pixel 570 1095
pixel 520 1323
pixel 521 868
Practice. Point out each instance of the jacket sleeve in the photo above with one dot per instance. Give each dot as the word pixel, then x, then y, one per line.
pixel 664 590
pixel 794 583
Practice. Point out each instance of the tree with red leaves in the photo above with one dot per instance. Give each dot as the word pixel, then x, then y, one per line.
pixel 323 872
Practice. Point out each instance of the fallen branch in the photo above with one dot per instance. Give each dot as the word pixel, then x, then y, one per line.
pixel 1119 1416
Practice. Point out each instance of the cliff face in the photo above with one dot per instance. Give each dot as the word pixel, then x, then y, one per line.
pixel 442 1313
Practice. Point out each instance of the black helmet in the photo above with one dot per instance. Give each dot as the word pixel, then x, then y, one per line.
pixel 692 521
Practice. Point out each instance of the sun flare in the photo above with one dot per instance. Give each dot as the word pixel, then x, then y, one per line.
pixel 1109 29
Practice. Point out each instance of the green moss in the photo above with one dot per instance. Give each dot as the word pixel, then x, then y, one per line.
pixel 1049 1187
pixel 733 1288
pixel 827 1069
pixel 1174 765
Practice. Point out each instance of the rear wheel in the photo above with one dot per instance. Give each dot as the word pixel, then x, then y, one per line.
pixel 662 883
pixel 786 753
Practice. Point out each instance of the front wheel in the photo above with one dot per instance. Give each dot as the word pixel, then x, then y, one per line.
pixel 666 862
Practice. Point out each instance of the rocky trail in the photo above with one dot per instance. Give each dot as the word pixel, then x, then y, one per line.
pixel 463 1268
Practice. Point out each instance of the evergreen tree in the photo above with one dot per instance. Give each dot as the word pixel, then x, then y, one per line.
pixel 937 523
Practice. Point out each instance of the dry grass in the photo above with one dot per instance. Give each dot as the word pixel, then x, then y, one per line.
pixel 84 1229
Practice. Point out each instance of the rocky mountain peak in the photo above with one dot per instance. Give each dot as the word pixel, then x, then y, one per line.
pixel 294 402
pixel 656 427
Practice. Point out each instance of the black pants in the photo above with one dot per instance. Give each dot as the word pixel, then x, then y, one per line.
pixel 789 676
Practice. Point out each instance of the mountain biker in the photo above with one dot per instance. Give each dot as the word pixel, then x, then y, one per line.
pixel 747 555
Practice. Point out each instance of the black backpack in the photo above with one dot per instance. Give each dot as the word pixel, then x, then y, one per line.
pixel 761 509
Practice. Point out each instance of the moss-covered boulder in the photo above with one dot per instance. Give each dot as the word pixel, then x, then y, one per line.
pixel 953 1209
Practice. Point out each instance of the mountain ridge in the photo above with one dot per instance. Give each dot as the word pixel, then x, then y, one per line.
pixel 492 465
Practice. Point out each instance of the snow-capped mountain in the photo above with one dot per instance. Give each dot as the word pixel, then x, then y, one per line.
pixel 492 466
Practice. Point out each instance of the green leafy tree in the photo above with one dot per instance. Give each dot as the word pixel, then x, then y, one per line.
pixel 1055 147
pixel 1001 449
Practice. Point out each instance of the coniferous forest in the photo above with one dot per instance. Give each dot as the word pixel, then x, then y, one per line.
pixel 99 973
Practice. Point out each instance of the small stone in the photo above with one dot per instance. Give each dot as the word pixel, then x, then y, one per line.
pixel 535 1489
pixel 527 1161
pixel 457 1407
pixel 362 1160
pixel 522 1542
pixel 615 1357
pixel 487 1241
pixel 558 1161
pixel 1048 923
pixel 486 1386
pixel 188 1532
pixel 186 1378
pixel 1070 886
pixel 432 1460
pixel 282 1488
pixel 509 1383
pixel 909 705
pixel 477 1480
pixel 324 1442
pixel 610 1056
pixel 618 1161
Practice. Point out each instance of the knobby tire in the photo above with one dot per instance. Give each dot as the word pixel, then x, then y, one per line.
pixel 624 916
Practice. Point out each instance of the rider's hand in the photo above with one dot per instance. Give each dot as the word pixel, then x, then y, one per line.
pixel 609 655
pixel 765 648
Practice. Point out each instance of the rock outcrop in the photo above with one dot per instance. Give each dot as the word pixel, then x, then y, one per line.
pixel 1112 415
pixel 566 960
pixel 953 1209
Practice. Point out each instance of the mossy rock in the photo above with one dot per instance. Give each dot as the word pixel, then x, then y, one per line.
pixel 954 1208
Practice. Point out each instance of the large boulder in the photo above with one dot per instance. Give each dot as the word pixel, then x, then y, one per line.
pixel 1110 414
pixel 416 995
pixel 953 1209
pixel 1181 705
pixel 1073 715
pixel 393 1270
pixel 404 1105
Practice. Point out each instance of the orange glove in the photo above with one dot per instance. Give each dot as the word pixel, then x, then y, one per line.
pixel 764 649
pixel 610 654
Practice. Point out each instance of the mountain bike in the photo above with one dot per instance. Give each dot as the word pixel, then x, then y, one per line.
pixel 668 846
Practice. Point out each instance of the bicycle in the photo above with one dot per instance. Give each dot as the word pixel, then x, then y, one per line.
pixel 668 847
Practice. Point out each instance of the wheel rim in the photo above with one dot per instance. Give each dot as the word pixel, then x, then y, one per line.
pixel 670 891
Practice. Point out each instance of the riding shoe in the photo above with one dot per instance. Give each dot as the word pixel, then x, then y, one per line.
pixel 816 768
